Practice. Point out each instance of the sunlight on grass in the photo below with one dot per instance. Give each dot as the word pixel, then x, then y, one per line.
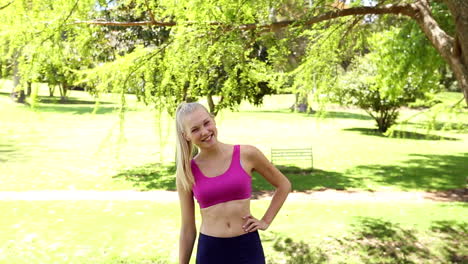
pixel 71 146
pixel 67 147
pixel 113 231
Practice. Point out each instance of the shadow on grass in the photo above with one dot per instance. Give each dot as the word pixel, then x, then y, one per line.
pixel 137 260
pixel 307 179
pixel 374 240
pixel 7 151
pixel 424 172
pixel 427 172
pixel 344 115
pixel 455 234
pixel 57 100
pixel 70 100
pixel 76 109
pixel 6 94
pixel 326 114
pixel 73 106
pixel 399 134
pixel 276 111
pixel 449 126
pixel 162 177
pixel 152 176
pixel 12 151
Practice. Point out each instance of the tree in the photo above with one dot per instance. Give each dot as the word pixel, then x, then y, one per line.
pixel 38 49
pixel 453 48
pixel 364 85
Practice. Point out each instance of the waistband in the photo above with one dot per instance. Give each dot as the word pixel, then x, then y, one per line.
pixel 241 237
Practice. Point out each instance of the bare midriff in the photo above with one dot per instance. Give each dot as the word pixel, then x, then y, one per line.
pixel 225 219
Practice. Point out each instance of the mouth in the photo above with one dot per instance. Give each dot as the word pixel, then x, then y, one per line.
pixel 208 138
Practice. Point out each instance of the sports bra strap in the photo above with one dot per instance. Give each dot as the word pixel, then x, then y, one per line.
pixel 236 155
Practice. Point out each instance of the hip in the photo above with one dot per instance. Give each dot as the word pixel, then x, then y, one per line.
pixel 243 249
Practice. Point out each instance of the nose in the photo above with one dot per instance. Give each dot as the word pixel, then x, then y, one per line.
pixel 204 131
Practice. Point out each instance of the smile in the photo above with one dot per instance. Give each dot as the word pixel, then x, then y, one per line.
pixel 208 138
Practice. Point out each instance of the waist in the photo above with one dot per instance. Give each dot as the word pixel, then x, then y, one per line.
pixel 225 219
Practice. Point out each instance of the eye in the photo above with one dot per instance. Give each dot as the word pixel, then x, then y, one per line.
pixel 207 123
pixel 194 130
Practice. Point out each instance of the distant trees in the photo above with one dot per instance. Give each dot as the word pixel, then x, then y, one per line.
pixel 38 45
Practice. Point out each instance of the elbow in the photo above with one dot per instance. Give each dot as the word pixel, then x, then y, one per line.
pixel 286 186
pixel 289 186
pixel 188 234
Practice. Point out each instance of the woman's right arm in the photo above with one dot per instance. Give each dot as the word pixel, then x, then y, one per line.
pixel 188 231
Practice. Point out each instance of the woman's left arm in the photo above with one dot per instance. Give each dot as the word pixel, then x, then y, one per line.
pixel 262 165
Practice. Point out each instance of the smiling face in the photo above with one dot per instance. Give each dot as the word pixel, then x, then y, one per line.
pixel 200 128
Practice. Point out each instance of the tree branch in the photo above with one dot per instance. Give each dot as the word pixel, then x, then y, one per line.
pixel 399 9
pixel 5 6
pixel 150 12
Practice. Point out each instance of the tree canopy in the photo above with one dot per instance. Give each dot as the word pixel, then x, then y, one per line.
pixel 228 51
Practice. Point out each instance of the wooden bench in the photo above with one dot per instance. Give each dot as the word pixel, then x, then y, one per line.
pixel 289 154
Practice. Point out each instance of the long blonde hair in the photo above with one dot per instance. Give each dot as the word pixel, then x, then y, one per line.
pixel 184 175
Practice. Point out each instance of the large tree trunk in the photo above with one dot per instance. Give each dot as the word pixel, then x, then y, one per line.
pixel 211 104
pixel 17 95
pixel 51 90
pixel 459 10
pixel 63 88
pixel 453 50
pixel 28 89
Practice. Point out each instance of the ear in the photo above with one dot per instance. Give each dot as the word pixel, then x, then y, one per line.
pixel 185 136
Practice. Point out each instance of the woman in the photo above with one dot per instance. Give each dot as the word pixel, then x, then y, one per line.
pixel 219 177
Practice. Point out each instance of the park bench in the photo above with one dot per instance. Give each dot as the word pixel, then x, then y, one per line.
pixel 291 154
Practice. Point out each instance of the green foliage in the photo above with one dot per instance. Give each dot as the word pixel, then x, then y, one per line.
pixel 299 252
pixel 400 68
pixel 219 62
pixel 451 113
pixel 429 100
pixel 359 87
pixel 405 62
pixel 37 37
pixel 375 240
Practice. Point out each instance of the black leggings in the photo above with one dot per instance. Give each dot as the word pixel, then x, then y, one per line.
pixel 243 249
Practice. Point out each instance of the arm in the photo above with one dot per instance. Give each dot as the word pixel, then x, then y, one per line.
pixel 260 163
pixel 188 231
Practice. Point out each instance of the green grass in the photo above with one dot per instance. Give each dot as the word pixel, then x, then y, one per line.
pixel 66 146
pixel 139 231
pixel 56 146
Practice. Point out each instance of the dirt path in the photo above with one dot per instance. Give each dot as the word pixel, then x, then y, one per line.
pixel 460 195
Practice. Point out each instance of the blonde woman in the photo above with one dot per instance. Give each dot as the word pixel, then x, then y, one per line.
pixel 219 178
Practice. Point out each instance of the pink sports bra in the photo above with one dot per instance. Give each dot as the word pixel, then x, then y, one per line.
pixel 234 184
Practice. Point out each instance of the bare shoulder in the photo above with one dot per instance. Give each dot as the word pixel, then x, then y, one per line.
pixel 255 160
pixel 252 157
pixel 250 152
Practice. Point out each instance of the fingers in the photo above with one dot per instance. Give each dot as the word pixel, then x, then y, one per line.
pixel 253 227
pixel 250 224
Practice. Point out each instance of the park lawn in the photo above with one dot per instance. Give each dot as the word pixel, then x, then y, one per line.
pixel 66 146
pixel 147 232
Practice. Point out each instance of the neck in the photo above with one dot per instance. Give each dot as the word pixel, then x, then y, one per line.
pixel 213 151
